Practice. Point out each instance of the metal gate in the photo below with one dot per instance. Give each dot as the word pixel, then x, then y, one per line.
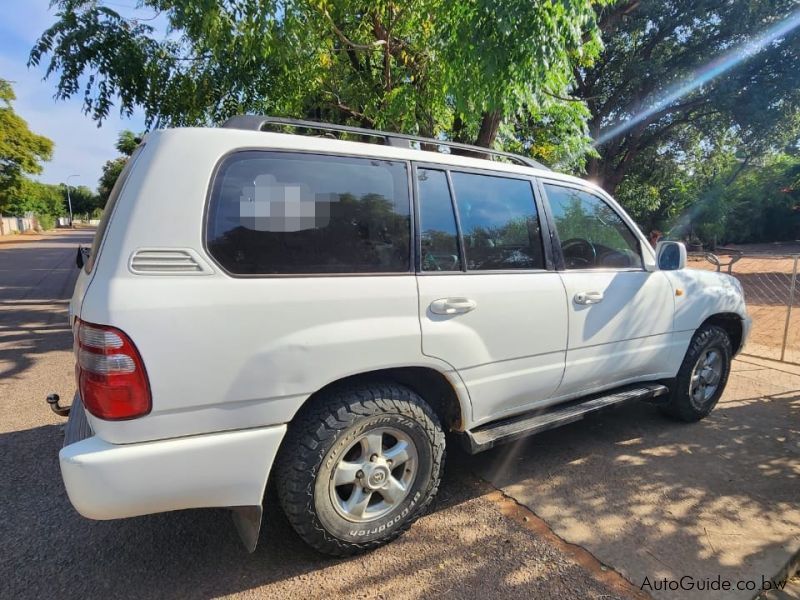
pixel 770 285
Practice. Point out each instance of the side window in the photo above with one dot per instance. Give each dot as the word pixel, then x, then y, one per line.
pixel 438 234
pixel 282 213
pixel 592 234
pixel 499 222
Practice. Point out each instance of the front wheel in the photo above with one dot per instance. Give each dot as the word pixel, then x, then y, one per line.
pixel 358 467
pixel 702 376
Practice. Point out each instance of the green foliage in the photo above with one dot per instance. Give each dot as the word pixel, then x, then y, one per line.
pixel 717 194
pixel 763 204
pixel 692 167
pixel 111 171
pixel 653 47
pixel 46 221
pixel 459 69
pixel 47 201
pixel 538 78
pixel 21 150
pixel 41 199
pixel 127 141
pixel 84 200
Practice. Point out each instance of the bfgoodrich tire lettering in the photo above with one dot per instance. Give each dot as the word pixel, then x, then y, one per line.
pixel 706 365
pixel 364 435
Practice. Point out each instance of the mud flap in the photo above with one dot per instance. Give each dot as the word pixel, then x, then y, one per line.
pixel 248 523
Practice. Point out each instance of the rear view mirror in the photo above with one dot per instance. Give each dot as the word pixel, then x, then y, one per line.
pixel 671 256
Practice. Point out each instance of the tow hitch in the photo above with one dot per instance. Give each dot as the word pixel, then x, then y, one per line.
pixel 61 411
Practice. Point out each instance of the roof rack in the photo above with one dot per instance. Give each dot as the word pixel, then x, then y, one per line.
pixel 399 140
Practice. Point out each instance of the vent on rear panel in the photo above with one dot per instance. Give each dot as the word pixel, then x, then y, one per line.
pixel 167 261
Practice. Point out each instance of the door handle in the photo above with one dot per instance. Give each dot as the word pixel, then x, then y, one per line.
pixel 452 306
pixel 588 297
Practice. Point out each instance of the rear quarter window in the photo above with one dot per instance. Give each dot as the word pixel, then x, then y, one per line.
pixel 285 213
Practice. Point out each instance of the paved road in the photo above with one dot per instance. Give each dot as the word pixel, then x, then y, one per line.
pixel 643 496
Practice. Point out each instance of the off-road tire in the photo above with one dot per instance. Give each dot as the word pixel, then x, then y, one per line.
pixel 316 441
pixel 680 405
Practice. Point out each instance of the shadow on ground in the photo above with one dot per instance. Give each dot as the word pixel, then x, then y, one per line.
pixel 464 546
pixel 658 498
pixel 627 482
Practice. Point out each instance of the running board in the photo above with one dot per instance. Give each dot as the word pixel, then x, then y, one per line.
pixel 500 432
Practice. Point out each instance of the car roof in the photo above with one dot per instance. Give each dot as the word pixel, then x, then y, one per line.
pixel 240 139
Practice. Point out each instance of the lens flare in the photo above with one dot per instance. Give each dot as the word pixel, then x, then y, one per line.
pixel 706 73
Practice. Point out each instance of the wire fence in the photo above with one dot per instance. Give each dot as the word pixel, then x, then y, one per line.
pixel 770 285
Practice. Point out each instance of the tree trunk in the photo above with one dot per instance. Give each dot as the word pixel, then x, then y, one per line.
pixel 458 130
pixel 613 176
pixel 490 123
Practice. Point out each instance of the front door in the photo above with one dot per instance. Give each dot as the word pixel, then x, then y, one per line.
pixel 488 305
pixel 620 315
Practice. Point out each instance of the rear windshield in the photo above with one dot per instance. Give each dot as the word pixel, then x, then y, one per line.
pixel 287 213
pixel 97 243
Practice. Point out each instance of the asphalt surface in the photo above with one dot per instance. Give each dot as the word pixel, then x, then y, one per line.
pixel 562 515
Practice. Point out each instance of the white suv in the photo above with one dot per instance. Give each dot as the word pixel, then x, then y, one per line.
pixel 313 312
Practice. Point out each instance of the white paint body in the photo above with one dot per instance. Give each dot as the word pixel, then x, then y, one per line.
pixel 231 360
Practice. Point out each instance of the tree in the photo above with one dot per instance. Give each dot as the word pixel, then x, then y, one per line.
pixel 716 193
pixel 127 141
pixel 84 200
pixel 482 71
pixel 21 150
pixel 45 201
pixel 673 69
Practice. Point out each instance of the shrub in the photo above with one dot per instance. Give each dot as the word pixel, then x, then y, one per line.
pixel 46 221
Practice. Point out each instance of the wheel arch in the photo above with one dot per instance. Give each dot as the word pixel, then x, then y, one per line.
pixel 433 386
pixel 732 324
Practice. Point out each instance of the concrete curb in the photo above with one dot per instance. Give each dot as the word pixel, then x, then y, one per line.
pixel 789 570
pixel 601 572
pixel 21 238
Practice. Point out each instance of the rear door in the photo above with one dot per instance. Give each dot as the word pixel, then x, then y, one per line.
pixel 620 315
pixel 490 304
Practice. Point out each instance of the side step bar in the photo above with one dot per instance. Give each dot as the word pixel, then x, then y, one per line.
pixel 500 432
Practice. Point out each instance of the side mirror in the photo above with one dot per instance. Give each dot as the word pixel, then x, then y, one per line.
pixel 81 256
pixel 671 256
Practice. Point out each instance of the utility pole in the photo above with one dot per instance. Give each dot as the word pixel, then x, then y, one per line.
pixel 69 200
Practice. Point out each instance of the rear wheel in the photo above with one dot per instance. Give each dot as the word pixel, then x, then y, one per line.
pixel 358 467
pixel 702 376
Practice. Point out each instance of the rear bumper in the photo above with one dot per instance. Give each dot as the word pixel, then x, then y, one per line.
pixel 109 481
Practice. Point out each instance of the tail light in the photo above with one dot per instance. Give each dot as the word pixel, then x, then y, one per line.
pixel 111 377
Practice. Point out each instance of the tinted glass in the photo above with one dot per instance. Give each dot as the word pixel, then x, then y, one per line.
pixel 438 234
pixel 273 213
pixel 592 234
pixel 499 222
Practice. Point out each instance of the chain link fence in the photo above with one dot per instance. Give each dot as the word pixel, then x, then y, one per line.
pixel 771 289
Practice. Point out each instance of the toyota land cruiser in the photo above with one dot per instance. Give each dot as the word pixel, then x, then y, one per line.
pixel 264 304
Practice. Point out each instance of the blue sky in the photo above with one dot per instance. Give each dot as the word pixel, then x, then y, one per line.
pixel 80 146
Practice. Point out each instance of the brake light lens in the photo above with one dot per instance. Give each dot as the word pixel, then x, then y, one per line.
pixel 111 377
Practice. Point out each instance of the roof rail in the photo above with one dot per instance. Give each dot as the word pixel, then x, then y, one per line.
pixel 399 140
